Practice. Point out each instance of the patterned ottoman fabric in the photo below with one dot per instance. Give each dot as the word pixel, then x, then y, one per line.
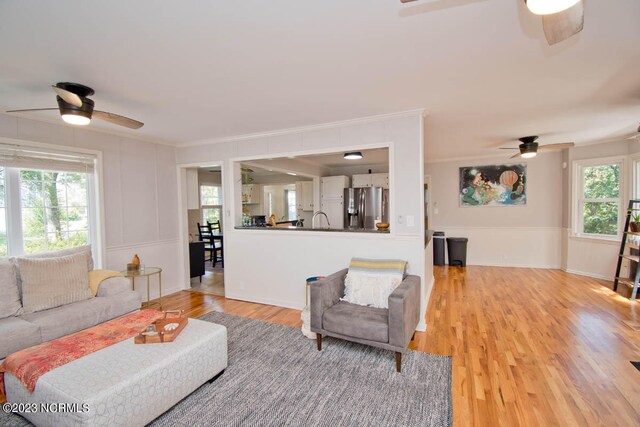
pixel 126 384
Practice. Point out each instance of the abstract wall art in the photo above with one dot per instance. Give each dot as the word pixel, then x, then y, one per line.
pixel 494 185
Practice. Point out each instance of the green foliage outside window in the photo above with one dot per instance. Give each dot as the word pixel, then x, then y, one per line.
pixel 54 210
pixel 601 182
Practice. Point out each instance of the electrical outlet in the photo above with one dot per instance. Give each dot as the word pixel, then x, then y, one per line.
pixel 400 219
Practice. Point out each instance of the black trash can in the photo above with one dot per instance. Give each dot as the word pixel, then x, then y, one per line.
pixel 457 251
pixel 438 248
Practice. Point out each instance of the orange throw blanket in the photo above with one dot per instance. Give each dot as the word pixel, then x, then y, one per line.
pixel 30 364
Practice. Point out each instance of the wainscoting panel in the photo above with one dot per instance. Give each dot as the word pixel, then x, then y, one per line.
pixel 535 247
pixel 163 254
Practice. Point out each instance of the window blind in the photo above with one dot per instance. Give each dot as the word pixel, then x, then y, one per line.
pixel 28 157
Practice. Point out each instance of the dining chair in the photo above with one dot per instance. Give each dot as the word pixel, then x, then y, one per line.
pixel 218 254
pixel 204 231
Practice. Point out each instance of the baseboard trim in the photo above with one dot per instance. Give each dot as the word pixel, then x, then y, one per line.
pixel 267 301
pixel 583 273
pixel 544 267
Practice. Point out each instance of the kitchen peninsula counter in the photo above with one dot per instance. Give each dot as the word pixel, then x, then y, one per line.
pixel 301 229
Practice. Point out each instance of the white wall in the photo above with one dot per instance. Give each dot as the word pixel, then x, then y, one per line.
pixel 271 266
pixel 140 193
pixel 525 236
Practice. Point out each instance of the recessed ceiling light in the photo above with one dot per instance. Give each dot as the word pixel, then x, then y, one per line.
pixel 549 7
pixel 353 155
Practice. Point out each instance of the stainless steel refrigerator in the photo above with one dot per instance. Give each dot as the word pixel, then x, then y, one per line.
pixel 363 207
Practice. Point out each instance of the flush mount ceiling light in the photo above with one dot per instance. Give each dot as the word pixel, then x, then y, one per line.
pixel 292 174
pixel 549 7
pixel 353 155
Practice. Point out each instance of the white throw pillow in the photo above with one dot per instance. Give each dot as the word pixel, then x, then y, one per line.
pixel 370 281
pixel 370 290
pixel 9 295
pixel 52 282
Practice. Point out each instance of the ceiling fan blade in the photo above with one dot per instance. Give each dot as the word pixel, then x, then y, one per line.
pixel 407 1
pixel 514 156
pixel 561 146
pixel 508 148
pixel 32 109
pixel 117 119
pixel 562 25
pixel 69 97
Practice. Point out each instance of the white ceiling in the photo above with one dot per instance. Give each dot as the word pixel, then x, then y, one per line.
pixel 194 70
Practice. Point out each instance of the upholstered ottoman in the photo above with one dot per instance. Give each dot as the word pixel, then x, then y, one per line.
pixel 126 384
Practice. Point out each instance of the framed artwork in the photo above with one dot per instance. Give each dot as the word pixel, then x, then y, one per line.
pixel 494 185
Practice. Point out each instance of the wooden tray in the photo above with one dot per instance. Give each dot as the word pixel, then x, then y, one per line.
pixel 163 335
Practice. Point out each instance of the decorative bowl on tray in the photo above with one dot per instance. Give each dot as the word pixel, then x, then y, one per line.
pixel 382 226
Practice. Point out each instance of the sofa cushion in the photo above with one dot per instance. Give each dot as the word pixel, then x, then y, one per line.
pixel 52 282
pixel 352 320
pixel 67 319
pixel 10 304
pixel 86 249
pixel 113 285
pixel 16 334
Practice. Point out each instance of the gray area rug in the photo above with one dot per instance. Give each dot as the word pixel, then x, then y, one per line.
pixel 276 377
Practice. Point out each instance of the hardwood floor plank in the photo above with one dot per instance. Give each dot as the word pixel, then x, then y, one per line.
pixel 530 347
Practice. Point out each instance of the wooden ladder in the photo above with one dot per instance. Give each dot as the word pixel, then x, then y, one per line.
pixel 634 205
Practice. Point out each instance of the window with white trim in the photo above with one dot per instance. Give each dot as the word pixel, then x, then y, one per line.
pixel 45 200
pixel 599 198
pixel 211 203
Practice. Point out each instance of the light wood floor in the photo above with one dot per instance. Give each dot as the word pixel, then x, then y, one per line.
pixel 530 347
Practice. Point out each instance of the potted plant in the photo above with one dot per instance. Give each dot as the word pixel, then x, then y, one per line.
pixel 634 225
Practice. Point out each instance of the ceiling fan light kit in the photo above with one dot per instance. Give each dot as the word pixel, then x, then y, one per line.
pixel 549 7
pixel 75 115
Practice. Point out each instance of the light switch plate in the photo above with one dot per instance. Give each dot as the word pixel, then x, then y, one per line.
pixel 410 221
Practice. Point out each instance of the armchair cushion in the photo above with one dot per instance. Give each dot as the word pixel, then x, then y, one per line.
pixel 352 320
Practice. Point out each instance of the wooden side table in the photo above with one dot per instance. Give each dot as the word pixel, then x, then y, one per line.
pixel 147 272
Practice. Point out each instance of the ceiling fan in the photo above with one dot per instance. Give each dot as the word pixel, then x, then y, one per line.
pixel 561 19
pixel 77 109
pixel 529 147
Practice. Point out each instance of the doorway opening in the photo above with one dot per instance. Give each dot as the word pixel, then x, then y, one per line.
pixel 205 207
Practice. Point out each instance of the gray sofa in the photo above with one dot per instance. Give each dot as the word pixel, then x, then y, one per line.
pixel 114 298
pixel 390 329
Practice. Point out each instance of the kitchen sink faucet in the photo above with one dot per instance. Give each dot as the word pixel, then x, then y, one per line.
pixel 313 219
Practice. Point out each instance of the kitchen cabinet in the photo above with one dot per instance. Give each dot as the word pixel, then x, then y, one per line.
pixel 380 180
pixel 371 180
pixel 304 195
pixel 193 189
pixel 251 194
pixel 333 186
pixel 332 201
pixel 334 208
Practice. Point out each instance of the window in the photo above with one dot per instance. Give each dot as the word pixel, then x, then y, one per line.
pixel 211 203
pixel 290 200
pixel 53 209
pixel 45 200
pixel 599 199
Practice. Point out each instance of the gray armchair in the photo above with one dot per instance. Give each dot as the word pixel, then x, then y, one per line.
pixel 391 329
